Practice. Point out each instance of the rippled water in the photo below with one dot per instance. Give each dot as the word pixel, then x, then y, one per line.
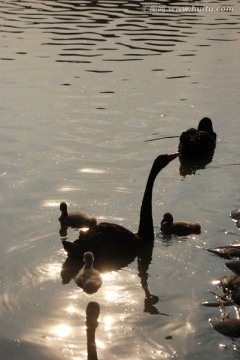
pixel 83 86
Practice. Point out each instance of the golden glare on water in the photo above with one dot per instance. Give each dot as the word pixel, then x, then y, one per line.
pixel 216 282
pixel 49 271
pixel 68 189
pixel 92 171
pixel 71 309
pixel 108 321
pixel 100 344
pixel 111 295
pixel 84 229
pixel 73 296
pixel 62 330
pixel 109 276
pixel 50 203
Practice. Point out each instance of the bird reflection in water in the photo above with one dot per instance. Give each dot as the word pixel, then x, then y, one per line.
pixel 190 166
pixel 114 246
pixel 144 259
pixel 71 268
pixel 92 314
pixel 88 278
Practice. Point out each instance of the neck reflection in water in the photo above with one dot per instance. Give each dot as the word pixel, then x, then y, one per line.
pixel 92 314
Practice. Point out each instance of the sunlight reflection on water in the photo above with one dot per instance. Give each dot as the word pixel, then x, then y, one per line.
pixel 62 330
pixel 92 171
pixel 78 101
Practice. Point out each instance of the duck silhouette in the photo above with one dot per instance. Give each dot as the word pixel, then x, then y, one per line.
pixel 77 219
pixel 198 143
pixel 181 227
pixel 108 240
pixel 88 278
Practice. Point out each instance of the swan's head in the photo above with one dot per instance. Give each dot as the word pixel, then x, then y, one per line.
pixel 63 207
pixel 168 218
pixel 163 160
pixel 88 258
pixel 205 125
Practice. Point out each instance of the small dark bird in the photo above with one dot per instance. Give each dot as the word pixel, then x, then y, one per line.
pixel 181 227
pixel 198 143
pixel 228 251
pixel 236 297
pixel 107 240
pixel 88 278
pixel 226 326
pixel 76 219
pixel 234 266
pixel 230 282
pixel 235 215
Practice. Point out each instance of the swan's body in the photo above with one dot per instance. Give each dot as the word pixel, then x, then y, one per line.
pixel 198 143
pixel 76 219
pixel 180 228
pixel 107 240
pixel 88 278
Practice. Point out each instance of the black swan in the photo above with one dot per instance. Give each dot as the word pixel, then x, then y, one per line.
pixel 88 278
pixel 76 219
pixel 198 143
pixel 107 240
pixel 180 227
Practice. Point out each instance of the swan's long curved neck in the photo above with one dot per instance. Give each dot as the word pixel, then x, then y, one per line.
pixel 145 230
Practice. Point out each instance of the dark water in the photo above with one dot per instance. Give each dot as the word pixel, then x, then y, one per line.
pixel 83 85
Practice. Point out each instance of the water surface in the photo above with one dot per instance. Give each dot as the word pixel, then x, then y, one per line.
pixel 83 85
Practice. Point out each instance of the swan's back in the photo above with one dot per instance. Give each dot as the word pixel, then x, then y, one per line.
pixel 105 238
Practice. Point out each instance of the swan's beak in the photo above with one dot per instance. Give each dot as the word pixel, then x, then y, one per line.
pixel 173 156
